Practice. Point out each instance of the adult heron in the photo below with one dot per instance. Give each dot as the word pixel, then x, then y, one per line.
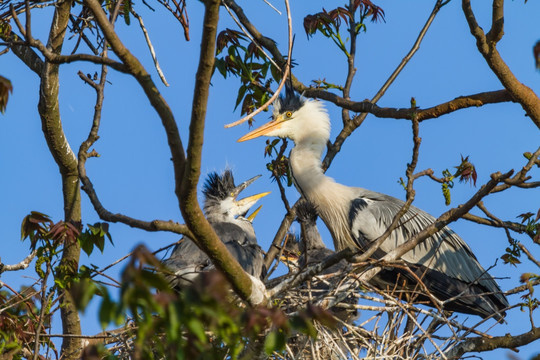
pixel 227 215
pixel 356 217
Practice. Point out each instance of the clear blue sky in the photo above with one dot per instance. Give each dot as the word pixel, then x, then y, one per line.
pixel 134 174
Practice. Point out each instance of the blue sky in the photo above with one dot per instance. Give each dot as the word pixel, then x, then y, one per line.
pixel 134 176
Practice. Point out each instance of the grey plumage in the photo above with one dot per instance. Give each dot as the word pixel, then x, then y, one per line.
pixel 226 214
pixel 356 217
pixel 313 249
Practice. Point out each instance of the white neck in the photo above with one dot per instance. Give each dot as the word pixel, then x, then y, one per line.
pixel 330 198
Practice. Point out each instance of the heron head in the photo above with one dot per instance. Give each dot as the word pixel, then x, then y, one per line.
pixel 296 118
pixel 222 197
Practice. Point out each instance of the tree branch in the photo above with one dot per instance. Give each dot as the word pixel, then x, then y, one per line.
pixel 19 266
pixel 481 344
pixel 205 236
pixel 49 110
pixel 141 75
pixel 486 45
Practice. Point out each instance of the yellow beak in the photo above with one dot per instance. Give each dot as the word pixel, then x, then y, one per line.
pixel 264 129
pixel 253 214
pixel 251 199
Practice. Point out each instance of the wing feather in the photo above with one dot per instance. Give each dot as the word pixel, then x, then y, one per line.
pixel 445 251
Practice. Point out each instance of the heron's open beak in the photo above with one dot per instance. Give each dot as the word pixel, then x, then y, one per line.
pixel 264 129
pixel 251 217
pixel 243 205
pixel 237 190
pixel 251 200
pixel 288 256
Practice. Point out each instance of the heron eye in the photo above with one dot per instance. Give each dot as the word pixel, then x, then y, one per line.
pixel 231 194
pixel 288 114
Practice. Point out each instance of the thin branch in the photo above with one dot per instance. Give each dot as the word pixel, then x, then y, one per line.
pixel 44 305
pixel 283 79
pixel 150 47
pixel 21 265
pixel 150 89
pixel 482 344
pixel 519 228
pixel 486 45
pixel 274 248
pixel 358 120
pixel 250 37
pixel 529 255
pixel 57 59
pixel 272 6
pixel 105 215
pixel 521 176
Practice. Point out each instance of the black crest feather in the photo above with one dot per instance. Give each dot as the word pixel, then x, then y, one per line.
pixel 306 212
pixel 291 101
pixel 219 186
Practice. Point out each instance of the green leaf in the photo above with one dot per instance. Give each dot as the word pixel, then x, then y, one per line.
pixel 86 243
pixel 275 341
pixel 126 10
pixel 241 93
pixel 196 327
pixel 106 311
pixel 5 85
pixel 221 66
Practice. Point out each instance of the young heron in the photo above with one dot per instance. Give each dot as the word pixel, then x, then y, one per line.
pixel 312 247
pixel 226 214
pixel 356 217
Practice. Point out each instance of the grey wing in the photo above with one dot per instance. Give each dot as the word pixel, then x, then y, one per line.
pixel 250 257
pixel 445 251
pixel 240 244
pixel 227 232
pixel 186 262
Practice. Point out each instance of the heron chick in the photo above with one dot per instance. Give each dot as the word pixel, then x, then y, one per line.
pixel 312 246
pixel 356 217
pixel 227 215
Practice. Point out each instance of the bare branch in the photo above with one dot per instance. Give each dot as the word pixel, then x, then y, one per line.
pixel 150 47
pixel 521 176
pixel 519 228
pixel 21 265
pixel 521 93
pixel 150 89
pixel 529 255
pixel 482 344
pixel 186 191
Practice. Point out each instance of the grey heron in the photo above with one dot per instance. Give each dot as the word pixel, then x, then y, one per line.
pixel 313 249
pixel 226 214
pixel 356 217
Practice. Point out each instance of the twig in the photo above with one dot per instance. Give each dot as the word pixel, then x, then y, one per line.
pixel 487 46
pixel 250 37
pixel 23 264
pixel 283 79
pixel 521 176
pixel 358 120
pixel 272 6
pixel 150 47
pixel 529 255
pixel 44 300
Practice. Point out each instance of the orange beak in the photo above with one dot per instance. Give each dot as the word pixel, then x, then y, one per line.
pixel 264 129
